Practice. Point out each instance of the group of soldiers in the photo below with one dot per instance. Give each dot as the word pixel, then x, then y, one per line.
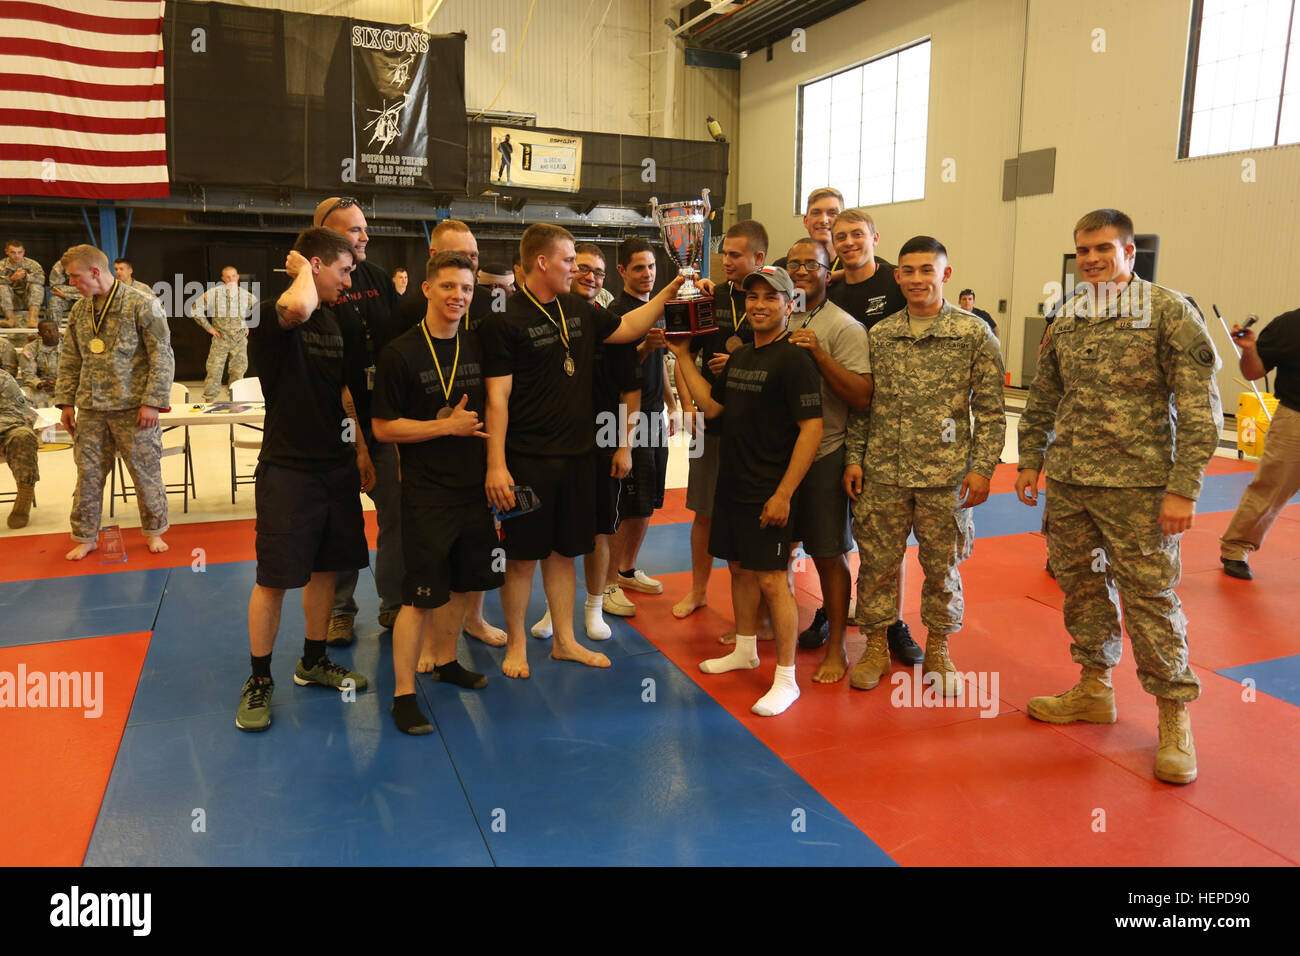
pixel 842 399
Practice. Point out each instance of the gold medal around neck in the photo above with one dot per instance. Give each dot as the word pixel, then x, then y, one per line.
pixel 444 412
pixel 569 367
pixel 97 346
pixel 97 320
pixel 734 343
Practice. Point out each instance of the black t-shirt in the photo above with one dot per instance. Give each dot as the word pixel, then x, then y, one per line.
pixel 368 311
pixel 729 316
pixel 765 393
pixel 986 317
pixel 613 373
pixel 877 298
pixel 550 411
pixel 1279 348
pixel 302 371
pixel 650 371
pixel 407 386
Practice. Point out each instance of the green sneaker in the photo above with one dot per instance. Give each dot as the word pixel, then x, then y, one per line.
pixel 328 674
pixel 254 712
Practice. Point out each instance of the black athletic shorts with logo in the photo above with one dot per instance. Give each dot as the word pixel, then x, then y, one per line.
pixel 736 536
pixel 643 488
pixel 448 545
pixel 308 521
pixel 608 496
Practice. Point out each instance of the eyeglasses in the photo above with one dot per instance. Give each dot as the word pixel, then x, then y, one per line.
pixel 343 203
pixel 800 265
pixel 587 270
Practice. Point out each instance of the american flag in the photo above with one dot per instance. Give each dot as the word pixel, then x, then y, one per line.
pixel 81 99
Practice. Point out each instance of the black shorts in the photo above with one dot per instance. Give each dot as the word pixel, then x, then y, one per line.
pixel 308 521
pixel 608 496
pixel 448 545
pixel 736 536
pixel 643 488
pixel 819 513
pixel 566 521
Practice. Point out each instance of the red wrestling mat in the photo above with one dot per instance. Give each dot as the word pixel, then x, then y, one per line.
pixel 35 556
pixel 57 760
pixel 944 786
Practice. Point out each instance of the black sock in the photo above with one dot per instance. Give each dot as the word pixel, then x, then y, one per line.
pixel 262 666
pixel 407 715
pixel 453 673
pixel 312 651
pixel 628 574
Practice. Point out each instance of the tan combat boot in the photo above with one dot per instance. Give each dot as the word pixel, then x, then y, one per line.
pixel 873 664
pixel 936 662
pixel 22 506
pixel 1176 758
pixel 1092 699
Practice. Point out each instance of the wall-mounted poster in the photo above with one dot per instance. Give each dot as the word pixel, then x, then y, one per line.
pixel 536 160
pixel 390 104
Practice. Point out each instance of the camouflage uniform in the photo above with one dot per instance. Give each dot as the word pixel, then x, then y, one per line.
pixel 108 390
pixel 18 443
pixel 228 309
pixel 8 356
pixel 60 306
pixel 1128 403
pixel 39 363
pixel 916 444
pixel 28 292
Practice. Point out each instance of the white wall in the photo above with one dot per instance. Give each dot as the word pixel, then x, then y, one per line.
pixel 1113 118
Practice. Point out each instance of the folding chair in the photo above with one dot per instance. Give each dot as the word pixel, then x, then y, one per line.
pixel 180 396
pixel 243 390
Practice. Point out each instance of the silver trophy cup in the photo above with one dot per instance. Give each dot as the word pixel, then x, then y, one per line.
pixel 682 226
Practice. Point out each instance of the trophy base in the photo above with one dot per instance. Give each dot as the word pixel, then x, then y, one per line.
pixel 688 317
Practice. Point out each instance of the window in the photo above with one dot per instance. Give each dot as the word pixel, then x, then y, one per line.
pixel 862 130
pixel 1242 88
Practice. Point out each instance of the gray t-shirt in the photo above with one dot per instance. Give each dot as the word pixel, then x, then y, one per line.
pixel 846 340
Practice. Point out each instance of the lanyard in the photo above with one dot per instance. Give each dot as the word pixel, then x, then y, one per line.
pixel 451 380
pixel 97 320
pixel 812 315
pixel 735 322
pixel 562 325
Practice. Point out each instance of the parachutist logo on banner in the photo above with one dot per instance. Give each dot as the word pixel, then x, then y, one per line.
pixel 386 126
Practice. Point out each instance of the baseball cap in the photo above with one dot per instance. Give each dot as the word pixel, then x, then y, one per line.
pixel 774 276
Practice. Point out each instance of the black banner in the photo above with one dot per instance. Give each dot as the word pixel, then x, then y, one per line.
pixel 265 98
pixel 390 104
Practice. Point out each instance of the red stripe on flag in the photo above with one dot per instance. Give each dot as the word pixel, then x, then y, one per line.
pixel 18 83
pixel 42 13
pixel 22 152
pixel 76 190
pixel 66 53
pixel 46 119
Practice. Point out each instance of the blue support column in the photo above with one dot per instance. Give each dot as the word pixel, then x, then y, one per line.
pixel 90 230
pixel 126 236
pixel 425 226
pixel 108 230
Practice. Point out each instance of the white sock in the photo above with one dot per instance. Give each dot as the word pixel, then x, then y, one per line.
pixel 543 629
pixel 744 657
pixel 784 692
pixel 597 629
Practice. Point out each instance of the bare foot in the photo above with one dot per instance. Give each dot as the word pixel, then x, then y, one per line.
pixel 81 550
pixel 730 636
pixel 481 630
pixel 576 652
pixel 832 668
pixel 156 545
pixel 515 665
pixel 689 604
pixel 426 663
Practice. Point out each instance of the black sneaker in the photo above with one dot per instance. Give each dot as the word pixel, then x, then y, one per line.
pixel 819 631
pixel 901 644
pixel 1237 569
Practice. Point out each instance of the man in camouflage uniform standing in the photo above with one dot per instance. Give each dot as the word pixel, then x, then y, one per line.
pixel 63 295
pixel 39 364
pixel 114 375
pixel 913 462
pixel 1125 397
pixel 18 446
pixel 22 285
pixel 226 305
pixel 125 273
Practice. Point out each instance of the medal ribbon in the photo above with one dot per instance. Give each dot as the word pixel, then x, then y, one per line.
pixel 449 382
pixel 735 322
pixel 562 326
pixel 97 320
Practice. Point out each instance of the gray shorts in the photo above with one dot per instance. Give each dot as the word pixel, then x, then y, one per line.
pixel 820 517
pixel 702 481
